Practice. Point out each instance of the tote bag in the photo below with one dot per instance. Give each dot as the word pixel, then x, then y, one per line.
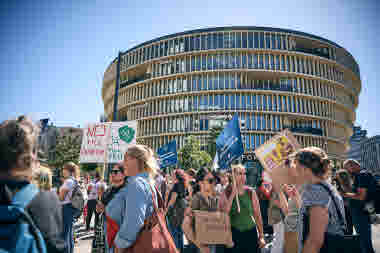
pixel 154 236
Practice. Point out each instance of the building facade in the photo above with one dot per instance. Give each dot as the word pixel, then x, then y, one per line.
pixel 48 138
pixel 359 135
pixel 370 154
pixel 183 83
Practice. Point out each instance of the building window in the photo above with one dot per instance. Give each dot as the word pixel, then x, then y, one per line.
pixel 203 42
pixel 261 38
pixel 214 40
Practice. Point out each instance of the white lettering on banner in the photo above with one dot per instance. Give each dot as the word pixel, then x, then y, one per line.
pixel 166 156
pixel 107 142
pixel 231 141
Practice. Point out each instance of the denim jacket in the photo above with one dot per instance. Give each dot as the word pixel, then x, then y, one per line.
pixel 130 207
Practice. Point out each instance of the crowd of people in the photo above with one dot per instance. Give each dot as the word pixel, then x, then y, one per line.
pixel 301 215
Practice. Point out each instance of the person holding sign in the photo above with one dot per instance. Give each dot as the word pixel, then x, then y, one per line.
pixel 321 227
pixel 246 225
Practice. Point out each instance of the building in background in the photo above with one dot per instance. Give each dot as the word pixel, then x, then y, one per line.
pixel 183 83
pixel 370 154
pixel 359 135
pixel 48 137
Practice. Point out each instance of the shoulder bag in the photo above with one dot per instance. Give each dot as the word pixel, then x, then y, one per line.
pixel 154 236
pixel 333 242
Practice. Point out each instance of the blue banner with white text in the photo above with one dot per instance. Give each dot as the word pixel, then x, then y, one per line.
pixel 229 144
pixel 168 154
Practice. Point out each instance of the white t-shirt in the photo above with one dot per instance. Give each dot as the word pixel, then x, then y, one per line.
pixel 95 187
pixel 93 194
pixel 68 185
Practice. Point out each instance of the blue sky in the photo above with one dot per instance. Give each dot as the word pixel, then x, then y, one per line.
pixel 54 53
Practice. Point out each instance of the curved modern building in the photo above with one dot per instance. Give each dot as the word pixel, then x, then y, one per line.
pixel 184 83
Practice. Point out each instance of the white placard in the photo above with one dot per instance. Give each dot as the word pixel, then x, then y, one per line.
pixel 107 142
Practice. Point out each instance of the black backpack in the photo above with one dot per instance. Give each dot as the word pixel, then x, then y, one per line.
pixel 77 200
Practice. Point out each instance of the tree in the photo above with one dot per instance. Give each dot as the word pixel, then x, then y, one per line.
pixel 66 150
pixel 211 145
pixel 191 155
pixel 88 167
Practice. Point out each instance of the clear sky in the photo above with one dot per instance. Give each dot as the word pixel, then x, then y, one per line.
pixel 53 53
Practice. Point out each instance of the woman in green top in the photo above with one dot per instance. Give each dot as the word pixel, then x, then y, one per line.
pixel 246 225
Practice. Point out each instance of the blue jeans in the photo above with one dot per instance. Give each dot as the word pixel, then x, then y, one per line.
pixel 177 235
pixel 68 234
pixel 362 225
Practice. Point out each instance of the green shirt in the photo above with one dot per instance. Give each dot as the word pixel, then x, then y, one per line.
pixel 244 220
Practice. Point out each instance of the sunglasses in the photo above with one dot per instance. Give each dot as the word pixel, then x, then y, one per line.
pixel 114 172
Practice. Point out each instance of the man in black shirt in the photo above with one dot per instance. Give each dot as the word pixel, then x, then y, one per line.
pixel 361 191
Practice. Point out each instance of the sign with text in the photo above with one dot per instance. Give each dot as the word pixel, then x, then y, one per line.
pixel 168 154
pixel 273 154
pixel 107 142
pixel 212 228
pixel 229 145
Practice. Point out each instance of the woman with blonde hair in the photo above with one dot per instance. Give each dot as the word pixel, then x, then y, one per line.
pixel 18 159
pixel 70 173
pixel 43 178
pixel 246 224
pixel 132 205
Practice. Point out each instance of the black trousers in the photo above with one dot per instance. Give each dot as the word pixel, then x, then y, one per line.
pixel 246 241
pixel 91 209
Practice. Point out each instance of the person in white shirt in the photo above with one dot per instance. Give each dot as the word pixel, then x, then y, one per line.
pixel 93 190
pixel 70 173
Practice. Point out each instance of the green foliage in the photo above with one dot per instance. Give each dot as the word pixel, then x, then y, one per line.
pixel 191 155
pixel 66 150
pixel 211 145
pixel 88 167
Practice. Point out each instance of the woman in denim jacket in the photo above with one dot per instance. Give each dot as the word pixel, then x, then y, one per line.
pixel 132 205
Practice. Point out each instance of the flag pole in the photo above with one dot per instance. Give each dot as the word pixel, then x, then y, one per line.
pixel 237 194
pixel 106 149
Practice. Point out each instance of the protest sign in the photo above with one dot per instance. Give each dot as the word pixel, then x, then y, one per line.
pixel 229 144
pixel 107 142
pixel 229 147
pixel 212 228
pixel 273 154
pixel 168 154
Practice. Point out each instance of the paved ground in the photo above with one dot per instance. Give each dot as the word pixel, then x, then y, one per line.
pixel 376 237
pixel 84 238
pixel 84 243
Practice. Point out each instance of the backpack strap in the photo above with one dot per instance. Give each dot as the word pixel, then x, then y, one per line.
pixel 25 195
pixel 22 199
pixel 336 206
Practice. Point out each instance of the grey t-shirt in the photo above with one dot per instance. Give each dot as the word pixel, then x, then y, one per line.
pixel 316 195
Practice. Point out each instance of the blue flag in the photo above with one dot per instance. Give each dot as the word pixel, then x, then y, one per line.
pixel 168 154
pixel 229 145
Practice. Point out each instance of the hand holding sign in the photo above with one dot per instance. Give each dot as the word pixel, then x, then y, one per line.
pixel 273 154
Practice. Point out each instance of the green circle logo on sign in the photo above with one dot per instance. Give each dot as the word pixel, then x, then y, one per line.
pixel 126 133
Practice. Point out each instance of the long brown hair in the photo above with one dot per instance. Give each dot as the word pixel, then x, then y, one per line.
pixel 18 147
pixel 315 159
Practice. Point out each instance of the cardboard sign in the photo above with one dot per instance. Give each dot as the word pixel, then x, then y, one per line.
pixel 273 154
pixel 212 228
pixel 107 142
